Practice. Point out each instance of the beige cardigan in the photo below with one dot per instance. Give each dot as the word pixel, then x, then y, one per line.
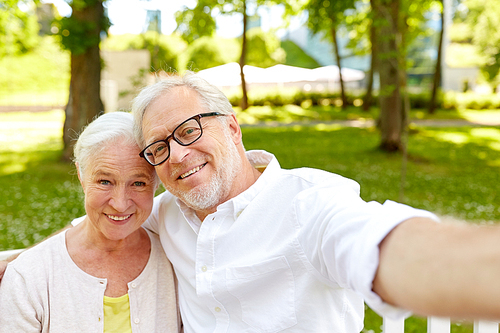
pixel 43 290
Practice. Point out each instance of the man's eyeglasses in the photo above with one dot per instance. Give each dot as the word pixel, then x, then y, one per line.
pixel 185 134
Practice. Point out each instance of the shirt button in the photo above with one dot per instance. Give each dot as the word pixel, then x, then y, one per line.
pixel 136 320
pixel 133 285
pixel 204 268
pixel 217 309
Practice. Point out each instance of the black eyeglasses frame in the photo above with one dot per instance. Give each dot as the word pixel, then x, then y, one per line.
pixel 167 139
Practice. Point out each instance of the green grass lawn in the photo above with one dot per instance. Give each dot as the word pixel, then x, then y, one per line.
pixel 450 171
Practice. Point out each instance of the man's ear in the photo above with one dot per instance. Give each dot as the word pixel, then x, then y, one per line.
pixel 234 129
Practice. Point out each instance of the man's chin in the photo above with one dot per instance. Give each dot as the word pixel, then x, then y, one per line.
pixel 200 199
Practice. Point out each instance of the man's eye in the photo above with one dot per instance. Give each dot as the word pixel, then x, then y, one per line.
pixel 139 184
pixel 159 150
pixel 104 182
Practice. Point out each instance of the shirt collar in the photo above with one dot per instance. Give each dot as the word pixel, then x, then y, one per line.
pixel 259 159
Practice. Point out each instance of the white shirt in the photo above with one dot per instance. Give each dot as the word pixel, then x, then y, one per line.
pixel 296 252
pixel 43 290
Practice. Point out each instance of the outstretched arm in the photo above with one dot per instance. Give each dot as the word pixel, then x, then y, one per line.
pixel 441 269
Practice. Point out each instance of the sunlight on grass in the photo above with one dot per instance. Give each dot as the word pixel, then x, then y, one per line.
pixel 484 136
pixel 482 117
pixel 23 133
pixel 327 127
pixel 486 133
pixel 457 138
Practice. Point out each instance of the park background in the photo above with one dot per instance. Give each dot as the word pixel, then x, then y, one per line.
pixel 446 156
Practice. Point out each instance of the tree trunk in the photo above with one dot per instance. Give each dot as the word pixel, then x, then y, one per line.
pixel 437 72
pixel 84 102
pixel 391 118
pixel 244 97
pixel 368 100
pixel 337 58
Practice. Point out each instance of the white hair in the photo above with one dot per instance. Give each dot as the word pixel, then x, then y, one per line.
pixel 107 128
pixel 210 98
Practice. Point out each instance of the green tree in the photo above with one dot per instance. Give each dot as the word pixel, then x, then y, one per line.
pixel 386 21
pixel 80 34
pixel 437 71
pixel 164 49
pixel 484 19
pixel 18 28
pixel 199 21
pixel 207 52
pixel 264 48
pixel 326 16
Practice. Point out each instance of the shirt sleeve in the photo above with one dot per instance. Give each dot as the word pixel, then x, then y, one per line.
pixel 152 223
pixel 18 311
pixel 341 236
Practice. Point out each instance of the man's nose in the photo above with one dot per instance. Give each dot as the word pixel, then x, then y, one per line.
pixel 178 152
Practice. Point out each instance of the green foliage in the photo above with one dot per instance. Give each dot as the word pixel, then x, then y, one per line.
pixel 40 76
pixel 325 14
pixel 197 22
pixel 464 55
pixel 164 49
pixel 295 56
pixel 76 35
pixel 18 29
pixel 264 48
pixel 459 33
pixel 207 52
pixel 483 20
pixel 282 96
pixel 80 32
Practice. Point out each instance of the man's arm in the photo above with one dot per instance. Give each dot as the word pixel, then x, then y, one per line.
pixel 441 269
pixel 4 263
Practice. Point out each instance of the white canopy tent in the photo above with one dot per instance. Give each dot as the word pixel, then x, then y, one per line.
pixel 228 75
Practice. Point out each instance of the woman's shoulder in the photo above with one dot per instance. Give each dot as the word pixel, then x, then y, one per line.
pixel 40 256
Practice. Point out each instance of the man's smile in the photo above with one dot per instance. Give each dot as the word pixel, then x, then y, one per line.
pixel 192 171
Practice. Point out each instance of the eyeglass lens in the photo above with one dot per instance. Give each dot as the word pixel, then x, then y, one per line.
pixel 185 134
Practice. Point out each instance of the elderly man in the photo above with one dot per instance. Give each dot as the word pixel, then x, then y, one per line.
pixel 257 248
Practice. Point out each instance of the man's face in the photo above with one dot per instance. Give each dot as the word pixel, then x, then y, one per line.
pixel 200 174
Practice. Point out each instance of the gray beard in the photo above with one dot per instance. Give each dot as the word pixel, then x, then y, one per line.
pixel 212 193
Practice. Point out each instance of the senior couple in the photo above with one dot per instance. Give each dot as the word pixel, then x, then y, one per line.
pixel 254 247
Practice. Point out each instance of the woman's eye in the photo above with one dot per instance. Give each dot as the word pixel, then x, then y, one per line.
pixel 104 182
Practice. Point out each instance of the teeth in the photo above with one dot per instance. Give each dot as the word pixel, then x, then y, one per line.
pixel 119 218
pixel 190 172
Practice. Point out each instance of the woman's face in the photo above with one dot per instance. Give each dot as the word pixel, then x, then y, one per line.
pixel 119 187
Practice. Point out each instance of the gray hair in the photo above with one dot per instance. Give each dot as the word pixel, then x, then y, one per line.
pixel 107 128
pixel 210 98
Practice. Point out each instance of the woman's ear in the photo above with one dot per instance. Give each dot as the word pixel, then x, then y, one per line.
pixel 79 176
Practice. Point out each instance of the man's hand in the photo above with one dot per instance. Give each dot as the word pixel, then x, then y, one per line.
pixel 3 267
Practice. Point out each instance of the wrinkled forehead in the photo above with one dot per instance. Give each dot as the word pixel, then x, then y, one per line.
pixel 169 110
pixel 120 159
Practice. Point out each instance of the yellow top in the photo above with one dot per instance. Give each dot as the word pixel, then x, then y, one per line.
pixel 117 314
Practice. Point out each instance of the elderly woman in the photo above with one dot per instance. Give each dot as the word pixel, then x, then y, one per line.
pixel 107 274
